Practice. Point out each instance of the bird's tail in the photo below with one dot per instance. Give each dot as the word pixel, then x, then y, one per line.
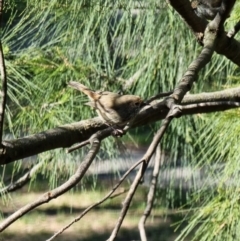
pixel 90 93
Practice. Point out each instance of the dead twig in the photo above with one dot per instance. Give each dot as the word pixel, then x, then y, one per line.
pixel 24 179
pixel 151 195
pixel 97 203
pixel 145 161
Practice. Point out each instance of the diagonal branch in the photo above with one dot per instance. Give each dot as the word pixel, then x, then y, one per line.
pixel 183 7
pixel 146 159
pixel 22 180
pixel 226 8
pixel 97 203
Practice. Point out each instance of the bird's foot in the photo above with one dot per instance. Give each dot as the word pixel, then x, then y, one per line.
pixel 117 132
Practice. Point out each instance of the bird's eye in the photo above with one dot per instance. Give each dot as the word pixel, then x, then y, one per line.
pixel 137 103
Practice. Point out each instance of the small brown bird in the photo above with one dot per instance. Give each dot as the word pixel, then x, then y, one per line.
pixel 115 109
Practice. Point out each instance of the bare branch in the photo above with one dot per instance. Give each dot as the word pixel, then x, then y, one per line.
pixel 121 192
pixel 201 61
pixel 62 136
pixel 212 97
pixel 72 181
pixel 3 93
pixel 151 195
pixel 146 159
pixel 24 179
pixel 158 96
pixel 226 8
pixel 97 203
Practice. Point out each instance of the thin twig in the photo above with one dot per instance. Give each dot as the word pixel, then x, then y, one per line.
pixel 3 93
pixel 24 179
pixel 88 141
pixel 158 96
pixel 97 203
pixel 77 146
pixel 71 182
pixel 119 193
pixel 151 195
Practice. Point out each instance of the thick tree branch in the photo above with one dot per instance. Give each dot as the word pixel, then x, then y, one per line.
pixel 60 137
pixel 183 7
pixel 201 61
pixel 229 47
pixel 151 195
pixel 146 159
pixel 67 135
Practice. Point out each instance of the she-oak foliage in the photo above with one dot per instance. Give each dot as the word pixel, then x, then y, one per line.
pixel 102 44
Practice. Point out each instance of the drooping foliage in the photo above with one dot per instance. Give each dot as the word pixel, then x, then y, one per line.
pixel 103 44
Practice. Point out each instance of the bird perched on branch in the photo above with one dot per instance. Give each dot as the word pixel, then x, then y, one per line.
pixel 117 110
